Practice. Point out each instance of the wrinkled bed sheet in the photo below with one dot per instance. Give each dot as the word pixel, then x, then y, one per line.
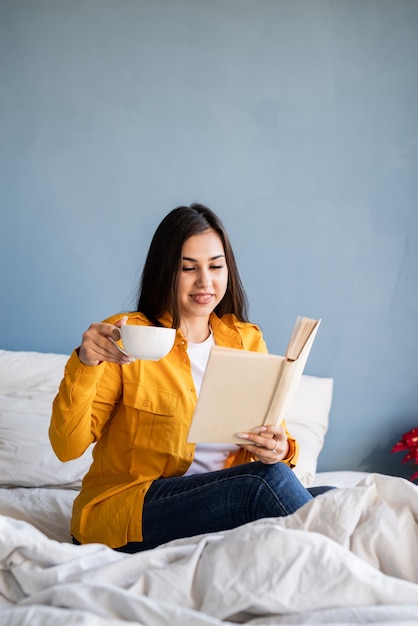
pixel 47 509
pixel 349 556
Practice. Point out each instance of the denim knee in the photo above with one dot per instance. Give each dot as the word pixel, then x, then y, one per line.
pixel 279 491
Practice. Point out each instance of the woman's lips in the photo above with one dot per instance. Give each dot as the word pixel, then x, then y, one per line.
pixel 202 298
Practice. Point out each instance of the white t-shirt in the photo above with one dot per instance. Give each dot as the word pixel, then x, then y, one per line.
pixel 208 456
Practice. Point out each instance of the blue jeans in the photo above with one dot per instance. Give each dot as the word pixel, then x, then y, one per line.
pixel 184 506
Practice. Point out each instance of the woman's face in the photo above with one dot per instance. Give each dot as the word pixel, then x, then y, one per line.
pixel 203 276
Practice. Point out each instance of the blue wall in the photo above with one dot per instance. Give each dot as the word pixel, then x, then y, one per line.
pixel 297 121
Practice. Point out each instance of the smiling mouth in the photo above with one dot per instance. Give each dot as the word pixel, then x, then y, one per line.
pixel 202 298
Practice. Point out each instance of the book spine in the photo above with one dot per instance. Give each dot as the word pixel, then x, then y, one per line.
pixel 285 391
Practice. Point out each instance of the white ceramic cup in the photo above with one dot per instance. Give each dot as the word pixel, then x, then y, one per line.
pixel 149 343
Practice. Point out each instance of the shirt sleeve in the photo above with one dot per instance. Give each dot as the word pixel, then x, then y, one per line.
pixel 293 453
pixel 82 406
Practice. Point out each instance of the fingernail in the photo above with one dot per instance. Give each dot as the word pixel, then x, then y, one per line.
pixel 259 429
pixel 242 435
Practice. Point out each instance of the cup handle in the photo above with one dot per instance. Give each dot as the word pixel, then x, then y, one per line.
pixel 121 349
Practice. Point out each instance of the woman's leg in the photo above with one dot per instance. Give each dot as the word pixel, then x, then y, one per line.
pixel 317 491
pixel 184 506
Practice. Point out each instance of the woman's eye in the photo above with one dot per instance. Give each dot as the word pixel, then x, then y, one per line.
pixel 191 269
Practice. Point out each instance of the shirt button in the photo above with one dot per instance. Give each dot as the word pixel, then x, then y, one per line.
pixel 146 403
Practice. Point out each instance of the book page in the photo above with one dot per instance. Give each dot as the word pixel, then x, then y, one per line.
pixel 302 332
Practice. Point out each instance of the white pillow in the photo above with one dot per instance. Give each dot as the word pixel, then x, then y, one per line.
pixel 29 382
pixel 307 422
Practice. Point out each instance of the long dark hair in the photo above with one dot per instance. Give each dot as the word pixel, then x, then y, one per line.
pixel 159 281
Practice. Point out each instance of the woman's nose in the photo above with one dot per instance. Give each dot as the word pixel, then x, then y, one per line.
pixel 203 279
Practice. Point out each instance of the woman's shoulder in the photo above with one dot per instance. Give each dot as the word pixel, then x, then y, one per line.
pixel 133 316
pixel 250 334
pixel 229 319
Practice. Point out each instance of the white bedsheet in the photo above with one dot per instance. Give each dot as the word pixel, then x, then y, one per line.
pixel 47 509
pixel 349 556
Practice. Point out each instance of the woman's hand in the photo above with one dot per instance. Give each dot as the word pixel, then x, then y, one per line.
pixel 268 443
pixel 97 344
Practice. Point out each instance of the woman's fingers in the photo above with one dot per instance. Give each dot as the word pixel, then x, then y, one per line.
pixel 267 443
pixel 97 344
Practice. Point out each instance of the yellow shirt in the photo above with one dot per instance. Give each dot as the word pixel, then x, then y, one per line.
pixel 138 415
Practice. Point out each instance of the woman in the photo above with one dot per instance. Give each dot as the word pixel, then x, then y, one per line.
pixel 147 485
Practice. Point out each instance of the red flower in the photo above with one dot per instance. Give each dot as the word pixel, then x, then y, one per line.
pixel 409 442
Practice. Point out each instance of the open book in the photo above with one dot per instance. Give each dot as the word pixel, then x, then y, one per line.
pixel 243 389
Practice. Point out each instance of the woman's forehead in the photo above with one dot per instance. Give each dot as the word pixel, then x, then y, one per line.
pixel 207 244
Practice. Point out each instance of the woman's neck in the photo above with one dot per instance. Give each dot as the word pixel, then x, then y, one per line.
pixel 196 330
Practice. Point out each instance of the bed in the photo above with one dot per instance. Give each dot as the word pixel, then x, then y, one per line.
pixel 349 556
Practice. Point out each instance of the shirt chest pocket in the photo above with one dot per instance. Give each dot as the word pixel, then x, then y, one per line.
pixel 151 414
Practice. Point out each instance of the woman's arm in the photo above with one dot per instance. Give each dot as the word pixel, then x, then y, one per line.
pixel 88 392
